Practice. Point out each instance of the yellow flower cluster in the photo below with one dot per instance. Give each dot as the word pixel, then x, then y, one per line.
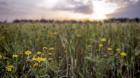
pixel 9 68
pixel 121 53
pixel 39 59
pixel 109 49
pixel 102 41
pixel 50 54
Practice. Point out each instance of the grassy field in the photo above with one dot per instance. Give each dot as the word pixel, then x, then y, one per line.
pixel 66 50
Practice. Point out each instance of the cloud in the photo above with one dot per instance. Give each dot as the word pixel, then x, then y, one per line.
pixel 68 5
pixel 123 3
pixel 130 11
pixel 84 6
pixel 64 8
pixel 76 6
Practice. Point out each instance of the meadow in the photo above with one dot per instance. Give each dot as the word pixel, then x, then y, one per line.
pixel 70 50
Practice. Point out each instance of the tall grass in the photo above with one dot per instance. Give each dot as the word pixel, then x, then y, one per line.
pixel 87 50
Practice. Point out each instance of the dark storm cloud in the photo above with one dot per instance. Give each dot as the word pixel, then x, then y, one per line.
pixel 130 11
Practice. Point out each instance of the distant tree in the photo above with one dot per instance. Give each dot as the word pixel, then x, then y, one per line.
pixel 16 21
pixel 5 21
pixel 137 19
pixel 43 20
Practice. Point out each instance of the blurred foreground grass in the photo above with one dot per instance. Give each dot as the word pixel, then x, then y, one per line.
pixel 56 50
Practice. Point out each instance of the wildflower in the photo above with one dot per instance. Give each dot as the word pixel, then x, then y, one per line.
pixel 28 52
pixel 109 49
pixel 78 35
pixel 0 56
pixel 35 65
pixel 89 46
pixel 50 59
pixel 9 68
pixel 49 54
pixel 39 59
pixel 39 52
pixel 118 49
pixel 45 48
pixel 15 56
pixel 51 49
pixel 101 45
pixel 33 58
pixel 123 54
pixel 55 33
pixel 103 40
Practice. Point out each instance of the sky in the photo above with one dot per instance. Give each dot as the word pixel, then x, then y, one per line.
pixel 68 9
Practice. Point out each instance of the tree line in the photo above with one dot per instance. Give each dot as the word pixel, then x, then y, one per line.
pixel 73 21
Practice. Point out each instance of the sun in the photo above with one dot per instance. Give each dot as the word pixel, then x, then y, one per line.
pixel 101 9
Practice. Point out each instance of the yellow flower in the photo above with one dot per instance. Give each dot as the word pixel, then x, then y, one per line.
pixel 55 33
pixel 103 40
pixel 0 56
pixel 51 49
pixel 9 68
pixel 15 56
pixel 39 52
pixel 28 52
pixel 39 59
pixel 49 54
pixel 118 49
pixel 35 65
pixel 78 35
pixel 123 54
pixel 101 45
pixel 33 58
pixel 109 49
pixel 45 48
